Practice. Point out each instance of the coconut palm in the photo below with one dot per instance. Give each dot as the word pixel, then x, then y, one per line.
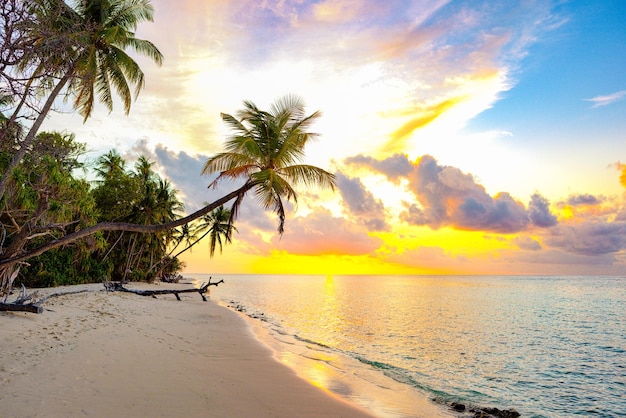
pixel 218 227
pixel 109 164
pixel 265 150
pixel 216 224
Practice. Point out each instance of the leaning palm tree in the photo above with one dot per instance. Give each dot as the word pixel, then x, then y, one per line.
pixel 92 62
pixel 265 150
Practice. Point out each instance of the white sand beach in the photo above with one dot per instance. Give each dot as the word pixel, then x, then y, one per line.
pixel 113 354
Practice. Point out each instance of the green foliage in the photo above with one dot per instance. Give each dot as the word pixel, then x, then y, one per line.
pixel 46 200
pixel 265 149
pixel 141 197
pixel 67 266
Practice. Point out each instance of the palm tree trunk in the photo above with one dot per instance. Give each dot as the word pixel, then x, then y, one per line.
pixel 179 253
pixel 28 140
pixel 192 244
pixel 7 127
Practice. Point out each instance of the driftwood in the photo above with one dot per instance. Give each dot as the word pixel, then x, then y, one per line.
pixel 19 307
pixel 34 305
pixel 119 287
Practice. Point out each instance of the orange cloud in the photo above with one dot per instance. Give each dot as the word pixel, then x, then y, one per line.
pixel 622 177
pixel 320 233
pixel 428 115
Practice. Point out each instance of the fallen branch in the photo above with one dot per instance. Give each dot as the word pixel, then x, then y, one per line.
pixel 73 292
pixel 18 307
pixel 119 287
pixel 19 304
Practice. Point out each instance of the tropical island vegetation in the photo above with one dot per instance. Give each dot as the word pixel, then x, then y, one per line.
pixel 56 227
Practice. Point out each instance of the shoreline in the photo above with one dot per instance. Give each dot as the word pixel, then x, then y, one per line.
pixel 360 386
pixel 118 354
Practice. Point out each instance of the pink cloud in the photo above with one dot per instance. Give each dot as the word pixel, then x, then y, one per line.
pixel 320 233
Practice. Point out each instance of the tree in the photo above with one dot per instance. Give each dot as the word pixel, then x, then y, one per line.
pixel 141 197
pixel 83 49
pixel 216 224
pixel 45 201
pixel 263 152
pixel 218 227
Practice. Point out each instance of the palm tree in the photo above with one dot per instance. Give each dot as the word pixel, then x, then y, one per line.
pixel 264 150
pixel 109 165
pixel 216 224
pixel 95 62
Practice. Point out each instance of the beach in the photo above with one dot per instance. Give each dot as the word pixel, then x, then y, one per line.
pixel 106 354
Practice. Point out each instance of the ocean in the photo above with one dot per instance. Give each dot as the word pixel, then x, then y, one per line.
pixel 543 346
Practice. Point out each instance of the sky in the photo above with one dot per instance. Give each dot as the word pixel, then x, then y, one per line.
pixel 466 137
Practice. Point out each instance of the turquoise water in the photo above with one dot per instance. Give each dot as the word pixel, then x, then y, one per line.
pixel 544 346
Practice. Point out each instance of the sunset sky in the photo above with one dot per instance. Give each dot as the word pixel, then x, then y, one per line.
pixel 467 137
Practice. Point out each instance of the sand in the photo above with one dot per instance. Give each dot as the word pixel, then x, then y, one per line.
pixel 104 354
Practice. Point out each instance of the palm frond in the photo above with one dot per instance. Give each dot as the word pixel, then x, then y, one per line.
pixel 129 12
pixel 102 85
pixel 126 70
pixel 309 175
pixel 145 48
pixel 227 161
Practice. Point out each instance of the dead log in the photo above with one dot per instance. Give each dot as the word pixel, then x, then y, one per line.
pixel 19 304
pixel 119 287
pixel 18 307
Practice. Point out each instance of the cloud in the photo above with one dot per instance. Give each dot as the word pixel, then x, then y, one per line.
pixel 361 203
pixel 320 233
pixel 583 200
pixel 414 215
pixel 423 117
pixel 622 168
pixel 593 237
pixel 599 101
pixel 539 212
pixel 429 257
pixel 393 167
pixel 449 197
pixel 527 243
pixel 584 207
pixel 557 261
pixel 338 11
pixel 445 196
